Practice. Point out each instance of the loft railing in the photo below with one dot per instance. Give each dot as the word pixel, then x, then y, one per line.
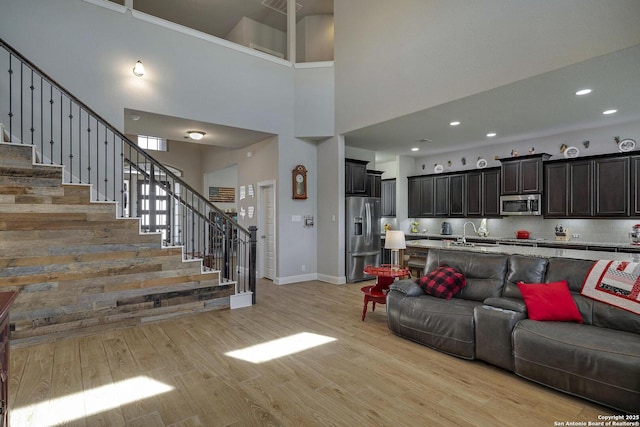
pixel 37 111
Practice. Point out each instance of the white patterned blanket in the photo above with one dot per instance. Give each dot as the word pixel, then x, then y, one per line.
pixel 614 282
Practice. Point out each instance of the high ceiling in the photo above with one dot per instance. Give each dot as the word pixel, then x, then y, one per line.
pixel 535 107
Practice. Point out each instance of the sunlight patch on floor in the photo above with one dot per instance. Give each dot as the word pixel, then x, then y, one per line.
pixel 281 347
pixel 86 403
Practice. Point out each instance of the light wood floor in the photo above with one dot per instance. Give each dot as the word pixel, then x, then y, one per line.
pixel 366 377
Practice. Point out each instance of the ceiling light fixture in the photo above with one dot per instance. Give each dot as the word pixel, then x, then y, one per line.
pixel 138 69
pixel 607 112
pixel 415 149
pixel 583 92
pixel 456 123
pixel 491 135
pixel 196 135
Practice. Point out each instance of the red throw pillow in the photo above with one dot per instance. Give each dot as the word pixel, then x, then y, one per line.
pixel 550 301
pixel 443 282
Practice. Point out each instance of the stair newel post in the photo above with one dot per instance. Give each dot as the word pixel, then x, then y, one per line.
pixel 253 243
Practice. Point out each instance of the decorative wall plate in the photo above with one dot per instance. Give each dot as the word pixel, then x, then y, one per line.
pixel 481 164
pixel 626 145
pixel 571 152
pixel 438 168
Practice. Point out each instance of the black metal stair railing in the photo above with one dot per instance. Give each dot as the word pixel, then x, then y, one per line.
pixel 37 111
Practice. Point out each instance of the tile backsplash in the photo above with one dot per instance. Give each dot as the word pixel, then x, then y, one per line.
pixel 589 230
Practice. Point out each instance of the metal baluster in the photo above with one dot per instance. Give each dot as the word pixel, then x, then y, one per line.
pixel 10 98
pixel 32 87
pixel 70 140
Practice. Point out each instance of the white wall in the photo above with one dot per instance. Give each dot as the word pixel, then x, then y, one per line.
pixel 314 101
pixel 253 34
pixel 314 38
pixel 396 58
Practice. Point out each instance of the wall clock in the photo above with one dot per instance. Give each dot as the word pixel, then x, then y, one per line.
pixel 299 182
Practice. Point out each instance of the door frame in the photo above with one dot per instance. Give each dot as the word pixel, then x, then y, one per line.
pixel 261 221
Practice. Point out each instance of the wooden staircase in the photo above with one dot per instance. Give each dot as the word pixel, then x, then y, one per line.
pixel 78 268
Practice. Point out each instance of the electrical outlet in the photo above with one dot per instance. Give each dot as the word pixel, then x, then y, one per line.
pixel 575 236
pixel 303 267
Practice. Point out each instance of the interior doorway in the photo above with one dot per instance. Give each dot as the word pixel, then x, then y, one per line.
pixel 266 262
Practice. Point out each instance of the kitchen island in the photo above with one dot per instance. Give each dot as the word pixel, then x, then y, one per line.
pixel 416 252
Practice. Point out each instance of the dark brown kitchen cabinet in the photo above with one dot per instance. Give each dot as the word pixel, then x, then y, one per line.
pixel 457 195
pixel 441 194
pixel 635 185
pixel 611 185
pixel 355 177
pixel 523 175
pixel 483 193
pixel 388 200
pixel 491 192
pixel 374 183
pixel 568 189
pixel 420 197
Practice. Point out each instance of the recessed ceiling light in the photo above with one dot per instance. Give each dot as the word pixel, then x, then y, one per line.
pixel 425 140
pixel 456 123
pixel 607 112
pixel 135 117
pixel 415 149
pixel 491 135
pixel 583 92
pixel 196 135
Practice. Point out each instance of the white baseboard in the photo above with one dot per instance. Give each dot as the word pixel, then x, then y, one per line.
pixel 336 280
pixel 295 279
pixel 241 300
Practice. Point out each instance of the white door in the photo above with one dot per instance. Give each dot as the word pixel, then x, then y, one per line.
pixel 267 232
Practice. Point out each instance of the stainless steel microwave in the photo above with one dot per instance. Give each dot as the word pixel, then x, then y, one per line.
pixel 521 205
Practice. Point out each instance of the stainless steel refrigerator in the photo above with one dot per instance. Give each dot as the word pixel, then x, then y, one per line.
pixel 362 236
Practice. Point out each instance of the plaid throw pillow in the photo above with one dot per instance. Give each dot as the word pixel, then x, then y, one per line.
pixel 443 282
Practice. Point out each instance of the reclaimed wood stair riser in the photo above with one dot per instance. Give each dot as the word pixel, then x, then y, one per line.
pixel 78 267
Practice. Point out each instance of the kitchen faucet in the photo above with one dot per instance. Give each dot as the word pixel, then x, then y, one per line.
pixel 464 232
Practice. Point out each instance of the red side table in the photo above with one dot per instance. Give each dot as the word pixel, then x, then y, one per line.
pixel 385 275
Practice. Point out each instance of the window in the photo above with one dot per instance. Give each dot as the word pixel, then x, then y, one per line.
pixel 152 143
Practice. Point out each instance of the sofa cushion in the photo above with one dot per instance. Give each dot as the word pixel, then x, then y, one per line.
pixel 445 325
pixel 549 301
pixel 484 272
pixel 443 282
pixel 595 363
pixel 522 268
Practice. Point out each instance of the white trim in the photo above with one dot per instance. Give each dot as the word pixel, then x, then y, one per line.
pixel 295 279
pixel 260 225
pixel 108 5
pixel 241 300
pixel 204 36
pixel 336 280
pixel 207 37
pixel 317 64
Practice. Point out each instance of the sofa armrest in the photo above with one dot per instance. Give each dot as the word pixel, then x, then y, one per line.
pixel 494 326
pixel 407 287
pixel 507 304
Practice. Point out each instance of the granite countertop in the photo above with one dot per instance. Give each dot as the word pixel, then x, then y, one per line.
pixel 526 250
pixel 523 242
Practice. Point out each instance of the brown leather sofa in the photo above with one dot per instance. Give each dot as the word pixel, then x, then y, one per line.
pixel 598 359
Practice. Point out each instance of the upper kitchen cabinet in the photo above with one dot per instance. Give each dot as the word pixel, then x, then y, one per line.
pixel 590 187
pixel 421 196
pixel 374 183
pixel 483 193
pixel 611 185
pixel 568 189
pixel 523 175
pixel 388 200
pixel 355 177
